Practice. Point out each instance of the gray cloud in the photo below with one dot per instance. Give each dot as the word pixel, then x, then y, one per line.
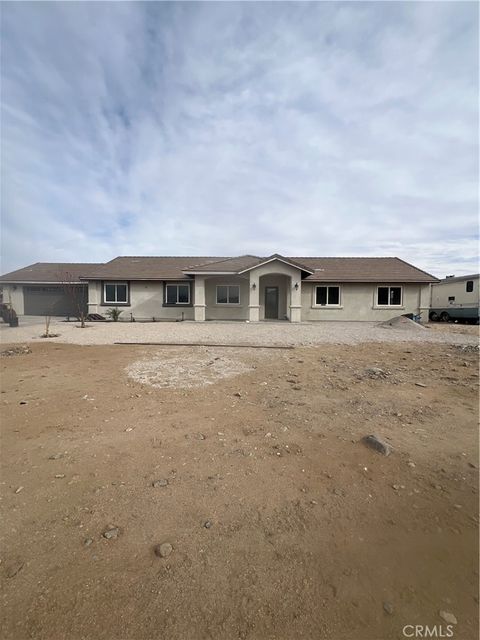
pixel 223 128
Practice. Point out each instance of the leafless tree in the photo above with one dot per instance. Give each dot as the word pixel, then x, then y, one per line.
pixel 75 294
pixel 48 319
pixel 47 326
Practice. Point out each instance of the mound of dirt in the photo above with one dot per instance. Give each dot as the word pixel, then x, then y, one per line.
pixel 403 323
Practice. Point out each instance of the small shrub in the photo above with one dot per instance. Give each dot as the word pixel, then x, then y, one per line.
pixel 114 314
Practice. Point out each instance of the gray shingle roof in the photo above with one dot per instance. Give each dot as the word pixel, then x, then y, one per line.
pixel 148 268
pixel 328 269
pixel 364 270
pixel 230 265
pixel 51 272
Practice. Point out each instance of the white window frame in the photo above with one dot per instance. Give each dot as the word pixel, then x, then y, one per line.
pixel 177 303
pixel 327 306
pixel 115 284
pixel 227 304
pixel 388 305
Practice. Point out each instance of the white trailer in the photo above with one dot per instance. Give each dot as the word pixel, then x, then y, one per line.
pixel 455 298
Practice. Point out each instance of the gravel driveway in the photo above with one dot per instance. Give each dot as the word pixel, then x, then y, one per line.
pixel 264 333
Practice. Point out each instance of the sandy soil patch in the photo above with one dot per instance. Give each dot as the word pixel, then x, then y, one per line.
pixel 189 368
pixel 452 327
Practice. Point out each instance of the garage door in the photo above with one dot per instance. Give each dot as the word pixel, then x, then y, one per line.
pixel 51 300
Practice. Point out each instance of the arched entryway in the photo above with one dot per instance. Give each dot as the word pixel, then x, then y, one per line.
pixel 274 296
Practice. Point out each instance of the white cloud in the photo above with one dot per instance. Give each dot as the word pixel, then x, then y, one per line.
pixel 223 128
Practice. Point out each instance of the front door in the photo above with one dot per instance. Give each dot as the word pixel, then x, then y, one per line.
pixel 271 302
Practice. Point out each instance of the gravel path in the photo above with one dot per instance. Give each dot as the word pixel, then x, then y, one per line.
pixel 268 333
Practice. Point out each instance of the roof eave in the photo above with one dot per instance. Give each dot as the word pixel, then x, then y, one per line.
pixel 133 279
pixel 39 282
pixel 211 273
pixel 371 280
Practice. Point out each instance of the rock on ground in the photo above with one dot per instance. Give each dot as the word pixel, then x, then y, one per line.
pixel 448 617
pixel 374 442
pixel 160 483
pixel 163 550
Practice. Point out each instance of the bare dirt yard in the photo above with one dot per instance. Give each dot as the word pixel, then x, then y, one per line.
pixel 247 465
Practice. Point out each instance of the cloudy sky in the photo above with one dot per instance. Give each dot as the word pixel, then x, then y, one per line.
pixel 228 128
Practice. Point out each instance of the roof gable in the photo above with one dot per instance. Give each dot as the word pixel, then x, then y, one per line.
pixel 277 256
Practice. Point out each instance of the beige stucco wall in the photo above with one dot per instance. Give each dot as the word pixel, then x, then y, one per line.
pixel 146 301
pixel 13 293
pixel 214 311
pixel 358 302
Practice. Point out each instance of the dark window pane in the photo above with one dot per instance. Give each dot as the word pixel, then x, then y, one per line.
pixel 469 286
pixel 171 294
pixel 234 295
pixel 395 295
pixel 321 296
pixel 451 298
pixel 121 293
pixel 222 293
pixel 109 293
pixel 183 294
pixel 382 295
pixel 333 295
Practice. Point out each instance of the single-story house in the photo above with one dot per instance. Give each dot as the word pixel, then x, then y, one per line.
pixel 227 288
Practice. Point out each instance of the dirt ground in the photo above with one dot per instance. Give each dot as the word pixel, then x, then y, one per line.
pixel 453 327
pixel 283 524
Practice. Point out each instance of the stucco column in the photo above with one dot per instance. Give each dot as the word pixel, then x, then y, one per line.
pixel 199 305
pixel 424 300
pixel 254 298
pixel 94 296
pixel 296 300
